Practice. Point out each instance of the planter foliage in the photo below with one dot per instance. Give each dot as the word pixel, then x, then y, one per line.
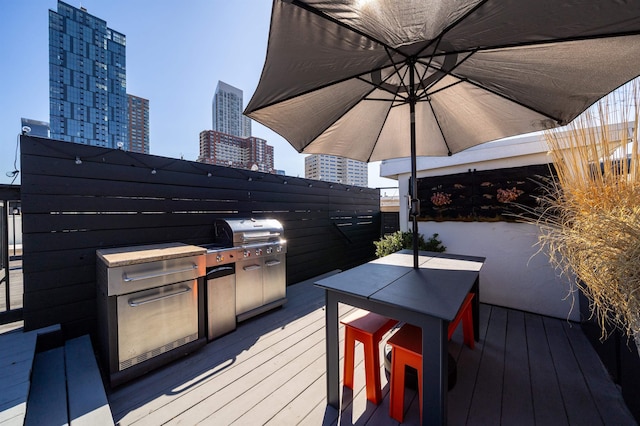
pixel 404 240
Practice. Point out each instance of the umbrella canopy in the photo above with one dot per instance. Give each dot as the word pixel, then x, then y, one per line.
pixel 379 79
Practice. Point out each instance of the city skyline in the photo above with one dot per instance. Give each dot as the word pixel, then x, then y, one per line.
pixel 173 59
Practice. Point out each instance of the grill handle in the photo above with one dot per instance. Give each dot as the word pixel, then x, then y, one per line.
pixel 127 279
pixel 220 269
pixel 272 262
pixel 144 300
pixel 251 267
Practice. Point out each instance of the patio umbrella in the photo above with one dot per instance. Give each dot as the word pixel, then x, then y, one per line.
pixel 380 79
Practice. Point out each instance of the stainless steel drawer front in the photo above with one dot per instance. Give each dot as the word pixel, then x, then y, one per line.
pixel 142 276
pixel 154 321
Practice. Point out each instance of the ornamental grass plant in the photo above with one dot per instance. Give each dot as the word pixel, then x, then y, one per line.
pixel 590 216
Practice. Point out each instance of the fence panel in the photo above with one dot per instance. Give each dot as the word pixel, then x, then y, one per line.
pixel 77 199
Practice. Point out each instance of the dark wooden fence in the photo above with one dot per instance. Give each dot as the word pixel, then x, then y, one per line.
pixel 77 199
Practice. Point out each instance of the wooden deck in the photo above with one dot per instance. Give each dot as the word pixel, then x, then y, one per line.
pixel 526 370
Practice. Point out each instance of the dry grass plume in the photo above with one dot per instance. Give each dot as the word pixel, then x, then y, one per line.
pixel 590 216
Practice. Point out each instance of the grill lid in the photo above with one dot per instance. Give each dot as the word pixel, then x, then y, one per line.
pixel 237 232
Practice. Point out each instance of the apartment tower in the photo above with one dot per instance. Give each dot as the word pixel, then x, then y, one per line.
pixel 330 168
pixel 223 149
pixel 227 111
pixel 138 124
pixel 87 79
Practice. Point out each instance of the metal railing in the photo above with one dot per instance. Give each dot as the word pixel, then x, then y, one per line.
pixel 9 206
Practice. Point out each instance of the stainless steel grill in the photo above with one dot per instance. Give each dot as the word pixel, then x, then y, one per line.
pixel 259 251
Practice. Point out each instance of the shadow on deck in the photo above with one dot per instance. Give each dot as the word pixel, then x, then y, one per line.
pixel 526 369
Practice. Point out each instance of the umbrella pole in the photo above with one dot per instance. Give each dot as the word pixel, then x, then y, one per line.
pixel 414 188
pixel 415 203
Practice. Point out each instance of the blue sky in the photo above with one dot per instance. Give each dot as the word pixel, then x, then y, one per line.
pixel 176 53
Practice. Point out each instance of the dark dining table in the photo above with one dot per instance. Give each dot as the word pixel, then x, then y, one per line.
pixel 428 297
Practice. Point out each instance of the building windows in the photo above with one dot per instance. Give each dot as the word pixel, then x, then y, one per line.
pixel 336 169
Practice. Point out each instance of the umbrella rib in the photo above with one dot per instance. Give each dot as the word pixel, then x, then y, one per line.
pixel 332 123
pixel 382 83
pixel 453 25
pixel 397 71
pixel 444 70
pixel 448 86
pixel 329 18
pixel 440 128
pixel 379 133
pixel 380 87
pixel 542 42
pixel 320 87
pixel 427 66
pixel 488 89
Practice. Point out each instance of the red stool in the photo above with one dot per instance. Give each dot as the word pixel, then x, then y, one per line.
pixel 406 350
pixel 465 314
pixel 368 328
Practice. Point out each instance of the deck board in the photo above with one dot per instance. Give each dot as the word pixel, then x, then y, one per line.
pixel 578 404
pixel 486 402
pixel 271 370
pixel 517 404
pixel 16 363
pixel 547 398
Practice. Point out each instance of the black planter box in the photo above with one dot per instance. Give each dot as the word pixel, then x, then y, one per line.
pixel 619 356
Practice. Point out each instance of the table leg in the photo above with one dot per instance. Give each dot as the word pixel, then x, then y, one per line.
pixel 435 371
pixel 475 309
pixel 333 350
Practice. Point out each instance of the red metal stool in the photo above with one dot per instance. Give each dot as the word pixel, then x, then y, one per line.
pixel 465 314
pixel 368 328
pixel 406 350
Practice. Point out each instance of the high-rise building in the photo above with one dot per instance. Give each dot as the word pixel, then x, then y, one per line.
pixel 223 149
pixel 87 79
pixel 138 124
pixel 227 111
pixel 35 127
pixel 330 168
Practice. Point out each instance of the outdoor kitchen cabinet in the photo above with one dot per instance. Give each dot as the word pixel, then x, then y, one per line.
pixel 149 306
pixel 261 284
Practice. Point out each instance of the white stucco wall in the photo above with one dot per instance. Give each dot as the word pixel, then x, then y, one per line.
pixel 513 275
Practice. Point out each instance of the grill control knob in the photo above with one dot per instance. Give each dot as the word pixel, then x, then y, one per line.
pixel 269 250
pixel 219 258
pixel 279 249
pixel 258 252
pixel 247 253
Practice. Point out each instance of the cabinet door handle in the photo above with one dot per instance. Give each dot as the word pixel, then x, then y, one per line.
pixel 272 262
pixel 128 279
pixel 149 299
pixel 251 267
